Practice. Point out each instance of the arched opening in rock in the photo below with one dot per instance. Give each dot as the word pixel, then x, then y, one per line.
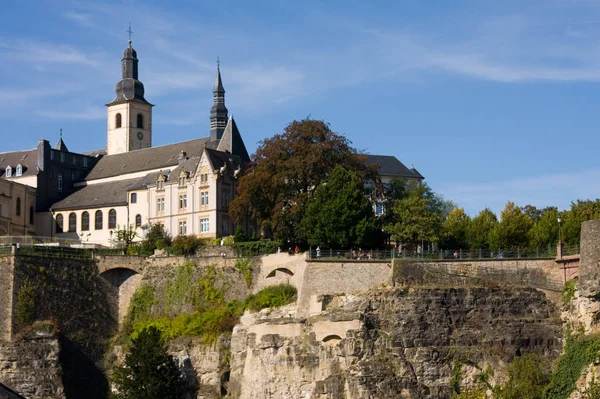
pixel 281 270
pixel 332 339
pixel 124 283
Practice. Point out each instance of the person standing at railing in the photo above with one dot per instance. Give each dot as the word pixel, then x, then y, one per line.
pixel 318 252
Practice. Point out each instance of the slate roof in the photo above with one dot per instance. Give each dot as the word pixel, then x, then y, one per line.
pixel 219 159
pixel 190 165
pixel 102 194
pixel 232 141
pixel 60 145
pixel 147 158
pixel 390 166
pixel 27 159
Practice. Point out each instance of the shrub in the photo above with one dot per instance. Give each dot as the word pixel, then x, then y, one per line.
pixel 527 377
pixel 240 235
pixel 579 351
pixel 156 238
pixel 26 303
pixel 568 291
pixel 256 248
pixel 245 267
pixel 185 245
pixel 139 308
pixel 271 297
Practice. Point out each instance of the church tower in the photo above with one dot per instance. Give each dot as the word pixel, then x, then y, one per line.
pixel 129 114
pixel 218 112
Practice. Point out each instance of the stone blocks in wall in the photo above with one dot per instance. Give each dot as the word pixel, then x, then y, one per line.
pixel 589 269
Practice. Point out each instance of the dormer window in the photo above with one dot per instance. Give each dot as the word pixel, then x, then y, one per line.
pixel 8 171
pixel 19 170
pixel 160 183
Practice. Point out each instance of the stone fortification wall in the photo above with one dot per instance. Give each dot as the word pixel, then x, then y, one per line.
pixel 536 273
pixel 589 272
pixel 30 366
pixel 6 297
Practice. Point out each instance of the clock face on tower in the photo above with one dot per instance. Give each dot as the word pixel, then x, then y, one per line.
pixel 140 135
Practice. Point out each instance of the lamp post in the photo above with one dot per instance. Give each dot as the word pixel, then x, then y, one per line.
pixel 559 234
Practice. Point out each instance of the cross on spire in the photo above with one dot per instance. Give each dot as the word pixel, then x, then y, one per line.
pixel 218 62
pixel 130 33
pixel 61 133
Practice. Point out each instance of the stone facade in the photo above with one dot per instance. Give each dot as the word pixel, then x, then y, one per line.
pixel 589 270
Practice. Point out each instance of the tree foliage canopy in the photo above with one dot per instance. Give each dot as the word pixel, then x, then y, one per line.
pixel 148 371
pixel 341 215
pixel 285 172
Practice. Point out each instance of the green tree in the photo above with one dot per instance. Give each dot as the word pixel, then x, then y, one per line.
pixel 156 237
pixel 513 229
pixel 480 229
pixel 456 229
pixel 341 215
pixel 285 171
pixel 545 230
pixel 418 216
pixel 148 370
pixel 123 237
pixel 580 212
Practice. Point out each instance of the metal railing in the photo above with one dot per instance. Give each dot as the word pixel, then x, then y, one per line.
pixel 44 241
pixel 55 252
pixel 439 254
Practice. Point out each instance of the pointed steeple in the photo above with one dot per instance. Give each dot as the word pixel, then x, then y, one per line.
pixel 218 112
pixel 232 142
pixel 60 144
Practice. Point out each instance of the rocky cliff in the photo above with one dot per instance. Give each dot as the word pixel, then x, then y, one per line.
pixel 391 343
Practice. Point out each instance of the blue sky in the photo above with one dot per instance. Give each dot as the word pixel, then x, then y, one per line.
pixel 490 100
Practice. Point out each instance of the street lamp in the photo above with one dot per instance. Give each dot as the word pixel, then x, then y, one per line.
pixel 559 235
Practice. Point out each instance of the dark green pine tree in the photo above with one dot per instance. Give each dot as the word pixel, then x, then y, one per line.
pixel 148 371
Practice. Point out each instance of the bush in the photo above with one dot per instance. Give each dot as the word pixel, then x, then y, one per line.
pixel 26 303
pixel 271 297
pixel 156 238
pixel 568 291
pixel 527 377
pixel 245 267
pixel 240 235
pixel 185 245
pixel 256 248
pixel 139 308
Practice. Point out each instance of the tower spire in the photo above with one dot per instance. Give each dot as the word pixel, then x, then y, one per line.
pixel 218 112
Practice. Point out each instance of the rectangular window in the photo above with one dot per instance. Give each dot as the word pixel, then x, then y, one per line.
pixel 73 175
pixel 183 201
pixel 225 225
pixel 379 208
pixel 60 182
pixel 62 157
pixel 206 198
pixel 224 198
pixel 52 155
pixel 74 160
pixel 183 227
pixel 133 198
pixel 160 205
pixel 85 161
pixel 204 225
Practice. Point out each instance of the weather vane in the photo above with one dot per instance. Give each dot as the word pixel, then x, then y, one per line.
pixel 130 32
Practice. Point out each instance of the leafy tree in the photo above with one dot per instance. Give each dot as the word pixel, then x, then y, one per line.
pixel 456 229
pixel 545 230
pixel 340 215
pixel 148 370
pixel 156 237
pixel 123 237
pixel 480 229
pixel 418 216
pixel 285 171
pixel 513 229
pixel 240 235
pixel 580 212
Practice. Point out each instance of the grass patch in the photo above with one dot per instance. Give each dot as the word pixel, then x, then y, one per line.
pixel 271 297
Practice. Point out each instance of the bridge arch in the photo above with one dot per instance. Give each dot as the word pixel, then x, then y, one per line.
pixel 124 282
pixel 280 272
pixel 332 339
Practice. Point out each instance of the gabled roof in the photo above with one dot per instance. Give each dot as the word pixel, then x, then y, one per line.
pixel 232 141
pixel 112 193
pixel 145 159
pixel 189 165
pixel 27 159
pixel 60 145
pixel 389 165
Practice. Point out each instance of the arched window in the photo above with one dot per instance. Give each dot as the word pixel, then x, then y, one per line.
pixel 117 121
pixel 31 214
pixel 112 219
pixel 85 221
pixel 98 220
pixel 19 170
pixel 8 171
pixel 59 223
pixel 72 222
pixel 18 206
pixel 140 121
pixel 138 220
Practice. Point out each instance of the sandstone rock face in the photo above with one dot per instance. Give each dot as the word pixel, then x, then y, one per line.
pixel 30 366
pixel 589 269
pixel 393 343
